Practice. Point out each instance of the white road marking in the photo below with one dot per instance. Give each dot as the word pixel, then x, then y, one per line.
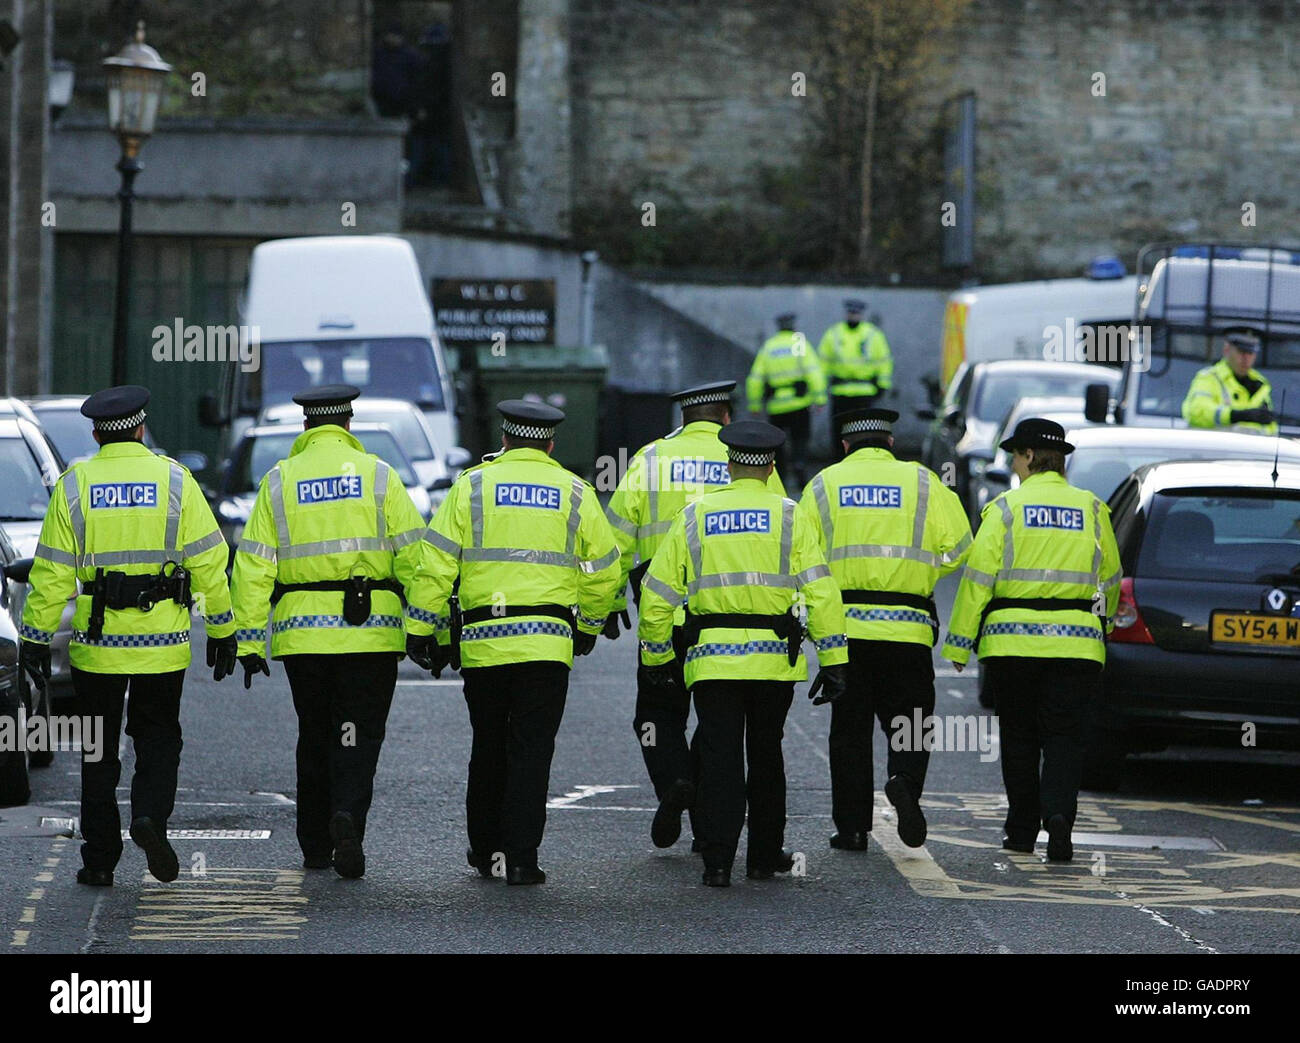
pixel 431 681
pixel 582 793
pixel 956 694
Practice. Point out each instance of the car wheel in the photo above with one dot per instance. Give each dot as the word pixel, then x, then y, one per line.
pixel 1103 762
pixel 986 697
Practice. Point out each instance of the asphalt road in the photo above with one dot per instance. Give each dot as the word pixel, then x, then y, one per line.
pixel 1198 854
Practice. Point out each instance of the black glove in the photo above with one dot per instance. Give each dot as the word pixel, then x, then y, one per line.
pixel 441 656
pixel 221 656
pixel 253 664
pixel 36 661
pixel 611 624
pixel 419 650
pixel 583 642
pixel 832 681
pixel 1258 415
pixel 662 676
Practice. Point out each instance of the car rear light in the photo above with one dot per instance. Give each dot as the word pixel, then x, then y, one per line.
pixel 1129 626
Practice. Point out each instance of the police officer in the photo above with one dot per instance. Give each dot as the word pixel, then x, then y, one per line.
pixel 134 528
pixel 1232 394
pixel 889 528
pixel 787 381
pixel 858 363
pixel 738 559
pixel 528 541
pixel 1042 578
pixel 331 548
pixel 660 479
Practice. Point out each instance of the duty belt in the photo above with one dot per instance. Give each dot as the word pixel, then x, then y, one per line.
pixel 1040 605
pixel 461 618
pixel 785 625
pixel 121 590
pixel 800 388
pixel 894 597
pixel 356 594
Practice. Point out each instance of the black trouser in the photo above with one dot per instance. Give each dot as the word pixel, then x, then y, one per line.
pixel 1042 706
pixel 660 726
pixel 739 721
pixel 797 425
pixel 515 711
pixel 342 702
pixel 841 404
pixel 153 721
pixel 887 679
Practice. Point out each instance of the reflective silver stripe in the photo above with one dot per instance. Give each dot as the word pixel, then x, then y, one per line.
pixel 276 491
pixel 948 557
pixel 212 539
pixel 175 488
pixel 476 508
pixel 603 562
pixel 59 557
pixel 444 543
pixel 105 559
pixel 693 541
pixel 876 550
pixel 382 470
pixel 1047 576
pixel 652 481
pixel 78 519
pixel 741 579
pixel 521 555
pixel 663 590
pixel 787 534
pixel 575 516
pixel 405 539
pixel 922 505
pixel 1114 581
pixel 1008 543
pixel 348 545
pixel 619 522
pixel 1096 542
pixel 260 550
pixel 824 508
pixel 976 576
pixel 810 574
pixel 653 529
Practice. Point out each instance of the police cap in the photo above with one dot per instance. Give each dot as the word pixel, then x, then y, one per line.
pixel 862 421
pixel 718 391
pixel 524 419
pixel 1037 433
pixel 855 304
pixel 327 400
pixel 117 409
pixel 1243 338
pixel 752 443
pixel 785 320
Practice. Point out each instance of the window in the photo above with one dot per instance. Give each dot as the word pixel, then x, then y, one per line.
pixel 1229 536
pixel 23 494
pixel 392 367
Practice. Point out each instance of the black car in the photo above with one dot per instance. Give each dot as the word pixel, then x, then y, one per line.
pixel 1205 649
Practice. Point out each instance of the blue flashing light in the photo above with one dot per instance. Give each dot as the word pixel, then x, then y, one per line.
pixel 1106 268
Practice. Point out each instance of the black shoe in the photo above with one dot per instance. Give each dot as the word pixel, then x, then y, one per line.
pixel 524 875
pixel 911 823
pixel 483 863
pixel 95 877
pixel 317 861
pixel 1059 847
pixel 163 863
pixel 765 870
pixel 1025 847
pixel 667 824
pixel 851 841
pixel 349 859
pixel 717 878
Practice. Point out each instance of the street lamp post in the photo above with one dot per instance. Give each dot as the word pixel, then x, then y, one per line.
pixel 135 77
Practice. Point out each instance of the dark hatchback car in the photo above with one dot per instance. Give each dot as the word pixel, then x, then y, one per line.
pixel 1206 645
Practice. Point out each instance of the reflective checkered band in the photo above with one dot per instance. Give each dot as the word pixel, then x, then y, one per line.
pixel 856 427
pixel 32 634
pixel 736 648
pixel 888 615
pixel 332 409
pixel 300 622
pixel 589 621
pixel 957 641
pixel 824 644
pixel 657 647
pixel 180 637
pixel 250 635
pixel 752 459
pixel 122 423
pixel 420 615
pixel 221 618
pixel 703 398
pixel 1042 630
pixel 527 430
pixel 479 632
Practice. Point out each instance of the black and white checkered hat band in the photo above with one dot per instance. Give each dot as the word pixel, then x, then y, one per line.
pixel 122 423
pixel 526 430
pixel 1052 438
pixel 704 398
pixel 751 459
pixel 333 409
pixel 856 427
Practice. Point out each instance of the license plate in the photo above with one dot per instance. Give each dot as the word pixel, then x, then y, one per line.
pixel 1251 628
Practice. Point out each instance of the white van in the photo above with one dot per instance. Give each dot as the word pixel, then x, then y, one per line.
pixel 337 310
pixel 1017 320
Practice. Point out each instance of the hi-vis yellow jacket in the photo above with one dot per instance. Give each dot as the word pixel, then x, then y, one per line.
pixel 129 510
pixel 521 531
pixel 741 550
pixel 785 376
pixel 858 360
pixel 662 478
pixel 327 512
pixel 1044 540
pixel 888 527
pixel 1215 392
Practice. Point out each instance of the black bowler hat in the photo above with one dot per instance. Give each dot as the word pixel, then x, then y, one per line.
pixel 334 400
pixel 1243 338
pixel 117 409
pixel 1036 433
pixel 860 421
pixel 752 443
pixel 525 419
pixel 718 391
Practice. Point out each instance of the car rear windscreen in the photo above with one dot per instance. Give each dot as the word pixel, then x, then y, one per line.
pixel 1229 536
pixel 1100 469
pixel 998 392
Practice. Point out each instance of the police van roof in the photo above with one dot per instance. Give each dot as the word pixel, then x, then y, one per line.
pixel 1193 291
